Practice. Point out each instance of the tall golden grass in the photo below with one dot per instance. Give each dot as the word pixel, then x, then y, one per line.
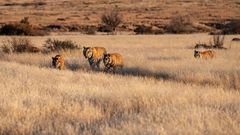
pixel 162 89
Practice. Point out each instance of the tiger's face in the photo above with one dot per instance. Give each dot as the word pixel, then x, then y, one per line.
pixel 58 62
pixel 55 61
pixel 196 54
pixel 106 59
pixel 87 52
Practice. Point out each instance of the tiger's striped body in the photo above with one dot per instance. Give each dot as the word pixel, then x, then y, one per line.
pixel 94 55
pixel 204 54
pixel 113 61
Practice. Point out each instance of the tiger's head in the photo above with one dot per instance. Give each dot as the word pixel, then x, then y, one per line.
pixel 87 52
pixel 196 54
pixel 56 61
pixel 106 59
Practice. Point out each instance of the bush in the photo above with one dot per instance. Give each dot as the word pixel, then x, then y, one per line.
pixel 19 45
pixel 57 45
pixel 203 45
pixel 16 29
pixel 233 27
pixel 90 30
pixel 104 29
pixel 111 20
pixel 142 29
pixel 21 28
pixel 180 24
pixel 218 41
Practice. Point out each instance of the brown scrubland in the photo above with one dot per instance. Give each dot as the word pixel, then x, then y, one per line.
pixel 162 88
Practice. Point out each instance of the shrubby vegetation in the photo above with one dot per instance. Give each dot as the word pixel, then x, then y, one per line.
pixel 19 45
pixel 23 28
pixel 58 45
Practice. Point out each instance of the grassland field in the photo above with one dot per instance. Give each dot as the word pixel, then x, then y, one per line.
pixel 162 88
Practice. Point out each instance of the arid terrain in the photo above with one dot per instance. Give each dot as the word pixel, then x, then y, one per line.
pixel 134 12
pixel 162 89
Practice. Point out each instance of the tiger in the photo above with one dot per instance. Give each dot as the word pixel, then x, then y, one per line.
pixel 58 62
pixel 94 55
pixel 112 62
pixel 204 54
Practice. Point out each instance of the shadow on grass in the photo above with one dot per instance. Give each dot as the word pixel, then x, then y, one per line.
pixel 163 58
pixel 138 72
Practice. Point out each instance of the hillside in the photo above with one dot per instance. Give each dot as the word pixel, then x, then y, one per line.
pixel 75 14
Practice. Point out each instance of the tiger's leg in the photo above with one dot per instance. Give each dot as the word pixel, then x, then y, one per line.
pixel 98 64
pixel 117 68
pixel 91 63
pixel 107 68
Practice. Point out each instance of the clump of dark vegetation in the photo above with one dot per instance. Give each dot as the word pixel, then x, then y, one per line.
pixel 58 45
pixel 236 39
pixel 216 43
pixel 18 45
pixel 203 45
pixel 142 29
pixel 90 30
pixel 233 27
pixel 74 28
pixel 20 28
pixel 111 20
pixel 227 27
pixel 104 28
pixel 180 24
pixel 35 4
pixel 55 27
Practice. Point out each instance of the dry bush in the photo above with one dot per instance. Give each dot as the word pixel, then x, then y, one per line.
pixel 202 45
pixel 142 29
pixel 111 20
pixel 233 27
pixel 90 30
pixel 19 45
pixel 73 28
pixel 217 41
pixel 180 24
pixel 58 45
pixel 35 4
pixel 21 28
pixel 25 4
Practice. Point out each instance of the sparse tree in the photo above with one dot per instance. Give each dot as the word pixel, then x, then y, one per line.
pixel 217 41
pixel 111 20
pixel 180 24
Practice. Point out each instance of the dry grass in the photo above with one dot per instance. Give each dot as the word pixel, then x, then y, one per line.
pixel 161 86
